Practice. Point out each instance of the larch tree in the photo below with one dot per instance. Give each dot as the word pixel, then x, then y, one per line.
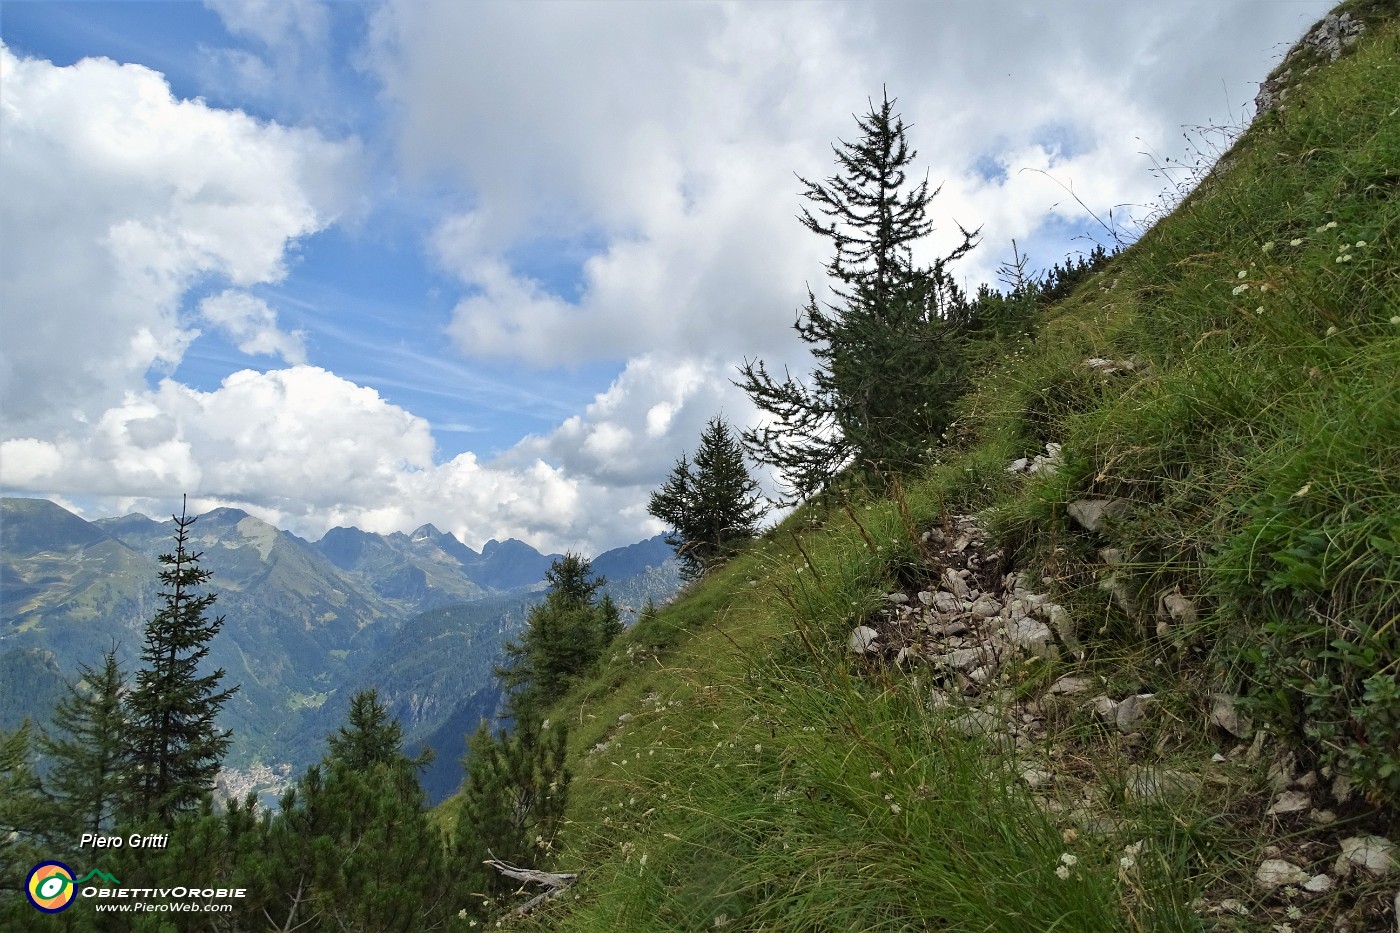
pixel 887 349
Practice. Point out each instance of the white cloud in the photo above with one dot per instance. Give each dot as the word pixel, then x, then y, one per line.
pixel 274 22
pixel 252 324
pixel 118 198
pixel 672 131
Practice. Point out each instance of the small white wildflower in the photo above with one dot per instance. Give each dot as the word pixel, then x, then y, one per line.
pixel 1070 860
pixel 1344 247
pixel 1297 242
pixel 1240 289
pixel 758 748
pixel 1241 274
pixel 1331 224
pixel 1268 247
pixel 1127 863
pixel 1360 244
pixel 895 808
pixel 1396 319
pixel 1063 872
pixel 1331 331
pixel 1259 310
pixel 1345 257
pixel 875 775
pixel 1295 912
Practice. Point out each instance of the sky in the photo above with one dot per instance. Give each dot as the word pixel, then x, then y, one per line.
pixel 493 265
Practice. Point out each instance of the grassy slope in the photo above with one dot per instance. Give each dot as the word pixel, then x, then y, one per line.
pixel 758 780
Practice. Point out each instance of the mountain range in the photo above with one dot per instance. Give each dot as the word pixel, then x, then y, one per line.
pixel 421 617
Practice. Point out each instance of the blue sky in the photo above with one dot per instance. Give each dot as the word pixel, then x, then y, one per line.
pixel 492 265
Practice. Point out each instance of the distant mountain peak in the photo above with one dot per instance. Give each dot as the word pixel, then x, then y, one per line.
pixel 425 531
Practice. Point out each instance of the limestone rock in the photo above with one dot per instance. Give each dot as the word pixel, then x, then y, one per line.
pixel 1276 872
pixel 985 607
pixel 1318 884
pixel 1131 712
pixel 1375 854
pixel 1290 801
pixel 863 640
pixel 1150 782
pixel 1032 637
pixel 955 584
pixel 1070 684
pixel 1092 514
pixel 1224 715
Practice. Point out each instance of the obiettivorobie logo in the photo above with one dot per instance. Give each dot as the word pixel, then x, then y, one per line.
pixel 51 886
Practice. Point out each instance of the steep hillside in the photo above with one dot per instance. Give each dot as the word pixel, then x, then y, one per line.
pixel 1123 660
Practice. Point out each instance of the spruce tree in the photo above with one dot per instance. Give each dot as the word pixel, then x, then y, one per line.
pixel 26 816
pixel 563 638
pixel 711 504
pixel 88 756
pixel 174 747
pixel 887 350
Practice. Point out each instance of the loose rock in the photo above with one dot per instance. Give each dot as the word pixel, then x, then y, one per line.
pixel 1224 715
pixel 1375 854
pixel 1290 801
pixel 1092 514
pixel 1276 872
pixel 863 640
pixel 1130 713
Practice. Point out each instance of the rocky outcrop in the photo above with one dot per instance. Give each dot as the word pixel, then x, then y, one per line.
pixel 1325 42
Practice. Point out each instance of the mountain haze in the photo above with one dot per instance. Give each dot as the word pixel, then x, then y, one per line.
pixel 419 616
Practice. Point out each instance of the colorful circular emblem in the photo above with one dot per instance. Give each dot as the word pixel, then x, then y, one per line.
pixel 50 887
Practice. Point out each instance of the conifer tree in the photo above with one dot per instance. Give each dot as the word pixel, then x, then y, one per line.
pixel 88 757
pixel 174 747
pixel 371 737
pixel 711 504
pixel 563 638
pixel 26 817
pixel 512 802
pixel 887 350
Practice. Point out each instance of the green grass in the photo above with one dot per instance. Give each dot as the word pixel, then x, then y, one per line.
pixel 749 774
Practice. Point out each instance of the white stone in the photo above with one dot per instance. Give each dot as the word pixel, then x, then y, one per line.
pixel 985 607
pixel 1375 854
pixel 964 659
pixel 955 584
pixel 1035 777
pixel 1318 884
pixel 1290 801
pixel 1032 637
pixel 1130 713
pixel 1092 514
pixel 1070 684
pixel 1224 715
pixel 864 639
pixel 1145 782
pixel 1276 872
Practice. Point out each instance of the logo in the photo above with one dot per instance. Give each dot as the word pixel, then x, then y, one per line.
pixel 50 887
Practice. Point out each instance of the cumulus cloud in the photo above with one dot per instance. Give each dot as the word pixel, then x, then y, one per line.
pixel 670 133
pixel 118 198
pixel 252 325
